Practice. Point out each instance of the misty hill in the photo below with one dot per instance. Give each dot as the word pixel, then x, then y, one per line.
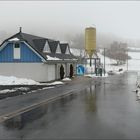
pixel 103 40
pixel 77 40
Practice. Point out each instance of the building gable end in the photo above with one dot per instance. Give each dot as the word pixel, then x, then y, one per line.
pixel 25 54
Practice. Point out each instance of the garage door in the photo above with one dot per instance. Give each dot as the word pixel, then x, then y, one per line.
pixel 51 72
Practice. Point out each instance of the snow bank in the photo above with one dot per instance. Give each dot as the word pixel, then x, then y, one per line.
pixel 55 83
pixel 11 80
pixel 7 91
pixel 66 79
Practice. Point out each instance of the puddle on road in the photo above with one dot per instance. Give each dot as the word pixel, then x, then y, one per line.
pixel 20 121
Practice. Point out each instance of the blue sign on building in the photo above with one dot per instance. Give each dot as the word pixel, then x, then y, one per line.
pixel 80 70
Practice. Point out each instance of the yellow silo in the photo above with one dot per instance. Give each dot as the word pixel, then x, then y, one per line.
pixel 90 41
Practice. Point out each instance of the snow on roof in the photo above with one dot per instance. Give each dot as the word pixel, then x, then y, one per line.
pixel 14 39
pixel 52 58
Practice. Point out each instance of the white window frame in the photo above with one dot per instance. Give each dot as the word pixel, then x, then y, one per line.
pixel 16 51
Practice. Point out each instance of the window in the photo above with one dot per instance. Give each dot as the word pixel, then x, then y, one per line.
pixel 17 51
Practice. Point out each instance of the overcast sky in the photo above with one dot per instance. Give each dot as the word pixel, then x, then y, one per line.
pixel 57 18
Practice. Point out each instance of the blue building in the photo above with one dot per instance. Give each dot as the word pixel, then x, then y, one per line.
pixel 28 56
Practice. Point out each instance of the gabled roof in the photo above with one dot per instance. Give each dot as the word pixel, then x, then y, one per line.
pixel 38 43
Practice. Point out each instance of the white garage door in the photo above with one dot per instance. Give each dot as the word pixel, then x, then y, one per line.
pixel 51 72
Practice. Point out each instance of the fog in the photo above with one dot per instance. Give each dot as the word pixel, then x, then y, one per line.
pixel 66 20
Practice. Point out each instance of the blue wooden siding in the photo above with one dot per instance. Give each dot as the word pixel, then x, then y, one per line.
pixel 27 55
pixel 6 54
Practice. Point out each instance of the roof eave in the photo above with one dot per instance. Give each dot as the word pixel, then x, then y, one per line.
pixel 60 61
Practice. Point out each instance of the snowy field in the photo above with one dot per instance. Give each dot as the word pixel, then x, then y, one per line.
pixel 108 67
pixel 134 63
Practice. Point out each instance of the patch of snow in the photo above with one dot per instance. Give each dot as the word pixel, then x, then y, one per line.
pixel 56 83
pixel 11 80
pixel 47 87
pixel 52 58
pixel 93 75
pixel 22 88
pixel 32 91
pixel 66 79
pixel 7 91
pixel 134 63
pixel 52 83
pixel 14 39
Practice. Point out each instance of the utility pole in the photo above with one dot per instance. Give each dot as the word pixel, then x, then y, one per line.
pixel 104 61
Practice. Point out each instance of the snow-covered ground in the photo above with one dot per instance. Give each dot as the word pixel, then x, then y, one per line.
pixel 66 79
pixel 134 63
pixel 108 67
pixel 138 86
pixel 108 63
pixel 54 83
pixel 11 80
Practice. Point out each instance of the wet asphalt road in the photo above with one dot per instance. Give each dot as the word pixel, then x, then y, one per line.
pixel 108 110
pixel 11 104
